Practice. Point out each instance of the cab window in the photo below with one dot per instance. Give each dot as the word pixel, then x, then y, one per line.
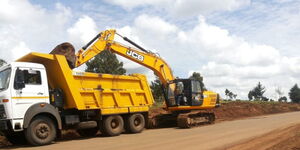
pixel 171 88
pixel 196 87
pixel 32 77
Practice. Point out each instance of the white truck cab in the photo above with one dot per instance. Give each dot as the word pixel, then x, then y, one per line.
pixel 22 85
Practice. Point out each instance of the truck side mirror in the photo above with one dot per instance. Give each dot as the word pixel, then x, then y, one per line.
pixel 19 82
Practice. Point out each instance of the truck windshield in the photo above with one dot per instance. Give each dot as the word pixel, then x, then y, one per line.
pixel 4 79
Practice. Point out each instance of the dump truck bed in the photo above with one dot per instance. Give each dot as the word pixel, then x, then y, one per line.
pixel 108 93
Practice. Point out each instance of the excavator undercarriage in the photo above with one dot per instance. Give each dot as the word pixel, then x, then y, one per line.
pixel 182 119
pixel 188 120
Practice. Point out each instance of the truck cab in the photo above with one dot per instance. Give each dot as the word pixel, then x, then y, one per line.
pixel 22 85
pixel 40 95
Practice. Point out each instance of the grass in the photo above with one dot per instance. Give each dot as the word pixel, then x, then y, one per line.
pixel 254 102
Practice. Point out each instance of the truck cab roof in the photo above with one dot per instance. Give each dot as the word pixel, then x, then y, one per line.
pixel 22 64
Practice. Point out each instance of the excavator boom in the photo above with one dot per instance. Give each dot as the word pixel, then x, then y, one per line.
pixel 105 41
pixel 181 95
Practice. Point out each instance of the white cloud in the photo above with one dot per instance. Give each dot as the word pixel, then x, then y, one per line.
pixel 154 25
pixel 82 31
pixel 277 24
pixel 225 60
pixel 25 27
pixel 136 3
pixel 20 50
pixel 195 7
pixel 184 7
pixel 11 48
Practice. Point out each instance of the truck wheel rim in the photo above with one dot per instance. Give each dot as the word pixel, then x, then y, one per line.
pixel 42 130
pixel 137 121
pixel 114 124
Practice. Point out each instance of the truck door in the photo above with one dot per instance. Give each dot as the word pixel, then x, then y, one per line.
pixel 35 91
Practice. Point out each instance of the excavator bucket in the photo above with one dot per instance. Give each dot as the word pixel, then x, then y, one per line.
pixel 68 51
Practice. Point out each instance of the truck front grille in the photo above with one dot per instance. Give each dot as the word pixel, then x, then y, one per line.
pixel 2 112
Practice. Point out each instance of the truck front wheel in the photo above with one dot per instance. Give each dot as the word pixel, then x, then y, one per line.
pixel 41 131
pixel 112 125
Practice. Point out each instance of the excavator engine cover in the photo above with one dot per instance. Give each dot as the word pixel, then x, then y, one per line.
pixel 68 50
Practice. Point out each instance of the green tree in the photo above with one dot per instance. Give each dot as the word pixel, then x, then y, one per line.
pixel 258 93
pixel 282 99
pixel 295 94
pixel 197 76
pixel 230 94
pixel 227 92
pixel 156 88
pixel 105 62
pixel 2 62
pixel 279 92
pixel 250 95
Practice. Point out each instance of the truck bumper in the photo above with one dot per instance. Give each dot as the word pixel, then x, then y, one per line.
pixel 4 125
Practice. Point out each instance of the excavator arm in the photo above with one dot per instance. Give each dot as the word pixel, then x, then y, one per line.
pixel 181 95
pixel 105 41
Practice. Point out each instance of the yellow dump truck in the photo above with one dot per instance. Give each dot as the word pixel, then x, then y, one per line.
pixel 40 95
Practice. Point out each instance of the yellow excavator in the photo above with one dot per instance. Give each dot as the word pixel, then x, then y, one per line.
pixel 184 98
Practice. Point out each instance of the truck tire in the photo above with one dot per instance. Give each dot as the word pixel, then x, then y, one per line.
pixel 112 125
pixel 88 132
pixel 41 131
pixel 16 138
pixel 135 123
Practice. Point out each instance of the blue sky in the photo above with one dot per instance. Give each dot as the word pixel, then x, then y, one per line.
pixel 234 44
pixel 245 21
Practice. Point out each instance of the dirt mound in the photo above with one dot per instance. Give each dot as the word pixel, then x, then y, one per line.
pixel 67 50
pixel 227 111
pixel 240 109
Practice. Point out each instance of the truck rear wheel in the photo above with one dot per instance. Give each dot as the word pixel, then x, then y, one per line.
pixel 112 125
pixel 41 131
pixel 135 123
pixel 88 132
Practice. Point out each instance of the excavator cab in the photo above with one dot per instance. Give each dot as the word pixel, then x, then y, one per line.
pixel 184 92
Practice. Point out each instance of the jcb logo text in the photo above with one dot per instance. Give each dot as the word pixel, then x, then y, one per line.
pixel 135 55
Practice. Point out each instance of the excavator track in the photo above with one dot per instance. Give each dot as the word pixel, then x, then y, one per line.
pixel 162 121
pixel 188 120
pixel 182 119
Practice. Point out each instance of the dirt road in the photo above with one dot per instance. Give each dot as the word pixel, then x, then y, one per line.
pixel 221 135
